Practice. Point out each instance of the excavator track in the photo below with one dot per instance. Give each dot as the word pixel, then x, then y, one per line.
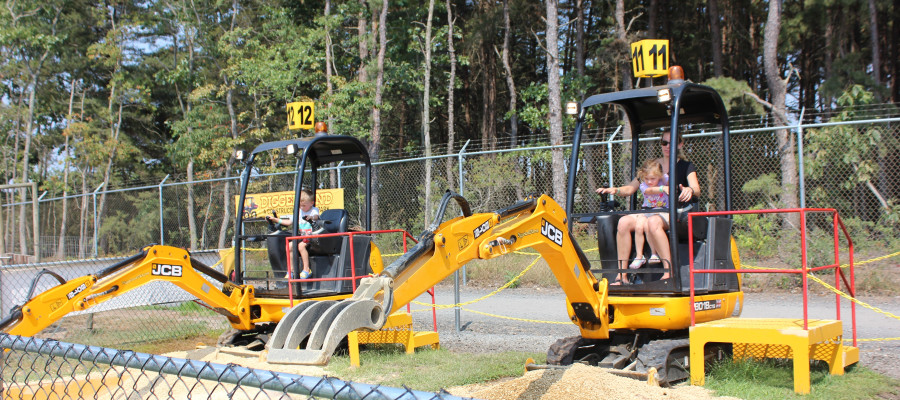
pixel 669 357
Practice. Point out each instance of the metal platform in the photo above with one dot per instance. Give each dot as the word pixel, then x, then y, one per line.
pixel 775 338
pixel 397 329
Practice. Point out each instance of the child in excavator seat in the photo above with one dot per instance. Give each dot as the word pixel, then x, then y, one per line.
pixel 308 214
pixel 655 189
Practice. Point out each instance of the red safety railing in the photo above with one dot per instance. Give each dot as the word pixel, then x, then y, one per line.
pixel 804 268
pixel 353 277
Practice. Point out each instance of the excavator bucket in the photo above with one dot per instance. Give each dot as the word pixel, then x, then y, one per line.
pixel 310 332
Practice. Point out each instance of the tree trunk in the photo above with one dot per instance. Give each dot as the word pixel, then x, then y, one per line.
pixel 29 126
pixel 876 48
pixel 716 34
pixel 82 229
pixel 554 95
pixel 376 112
pixel 61 244
pixel 652 18
pixel 328 61
pixel 426 108
pixel 777 91
pixel 192 223
pixel 510 83
pixel 895 54
pixel 363 43
pixel 226 193
pixel 488 97
pixel 233 128
pixel 451 133
pixel 115 128
pixel 622 36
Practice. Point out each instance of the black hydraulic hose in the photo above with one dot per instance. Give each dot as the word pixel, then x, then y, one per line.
pixel 425 245
pixel 448 195
pixel 115 267
pixel 209 271
pixel 426 239
pixel 37 277
pixel 527 204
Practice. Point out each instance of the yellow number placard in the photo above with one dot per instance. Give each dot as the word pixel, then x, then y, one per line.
pixel 301 115
pixel 650 58
pixel 258 205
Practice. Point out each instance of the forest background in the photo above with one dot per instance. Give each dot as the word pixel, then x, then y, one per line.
pixel 125 93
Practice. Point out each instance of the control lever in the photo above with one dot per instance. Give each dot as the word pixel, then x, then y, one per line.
pixel 274 225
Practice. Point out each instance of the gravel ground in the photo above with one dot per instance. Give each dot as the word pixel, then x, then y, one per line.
pixel 479 333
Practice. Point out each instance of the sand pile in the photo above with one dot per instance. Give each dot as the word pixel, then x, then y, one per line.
pixel 250 361
pixel 575 383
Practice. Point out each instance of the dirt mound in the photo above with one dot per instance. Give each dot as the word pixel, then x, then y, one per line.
pixel 575 383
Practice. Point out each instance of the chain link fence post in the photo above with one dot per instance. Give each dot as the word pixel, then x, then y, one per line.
pixel 96 224
pixel 456 275
pixel 162 239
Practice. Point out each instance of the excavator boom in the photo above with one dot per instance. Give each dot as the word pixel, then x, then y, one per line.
pixel 153 263
pixel 537 222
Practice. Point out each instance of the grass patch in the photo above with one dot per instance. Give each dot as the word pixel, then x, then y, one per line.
pixel 184 307
pixel 773 379
pixel 429 370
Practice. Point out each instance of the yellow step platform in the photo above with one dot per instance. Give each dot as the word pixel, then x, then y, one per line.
pixel 775 338
pixel 397 329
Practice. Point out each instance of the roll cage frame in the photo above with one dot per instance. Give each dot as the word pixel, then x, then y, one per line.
pixel 317 151
pixel 689 103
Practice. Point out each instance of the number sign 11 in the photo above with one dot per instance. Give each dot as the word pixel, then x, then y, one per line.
pixel 301 115
pixel 650 58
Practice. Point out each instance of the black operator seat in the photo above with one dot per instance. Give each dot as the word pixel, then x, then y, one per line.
pixel 335 220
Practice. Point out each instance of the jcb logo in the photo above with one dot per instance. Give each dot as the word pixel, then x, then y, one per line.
pixel 166 270
pixel 75 291
pixel 551 232
pixel 481 229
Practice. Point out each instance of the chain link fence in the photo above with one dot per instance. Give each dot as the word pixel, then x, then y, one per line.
pixel 849 164
pixel 48 369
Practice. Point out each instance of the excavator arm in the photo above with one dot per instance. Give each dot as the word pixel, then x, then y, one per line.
pixel 537 223
pixel 153 263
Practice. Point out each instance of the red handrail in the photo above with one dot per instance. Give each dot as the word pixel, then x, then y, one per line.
pixel 804 269
pixel 353 277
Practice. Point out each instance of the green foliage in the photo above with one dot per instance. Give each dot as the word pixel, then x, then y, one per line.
pixel 734 95
pixel 497 180
pixel 844 160
pixel 536 108
pixel 759 234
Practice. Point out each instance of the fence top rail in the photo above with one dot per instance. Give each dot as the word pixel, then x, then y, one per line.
pixel 704 133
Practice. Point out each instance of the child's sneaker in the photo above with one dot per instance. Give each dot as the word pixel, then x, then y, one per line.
pixel 305 274
pixel 637 262
pixel 654 259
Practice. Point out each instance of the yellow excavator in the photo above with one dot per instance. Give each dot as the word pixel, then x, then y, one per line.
pixel 635 327
pixel 252 292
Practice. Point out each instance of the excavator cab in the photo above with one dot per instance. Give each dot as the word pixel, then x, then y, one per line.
pixel 679 107
pixel 274 175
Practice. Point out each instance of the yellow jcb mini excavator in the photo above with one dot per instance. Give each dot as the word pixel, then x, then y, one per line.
pixel 254 295
pixel 637 326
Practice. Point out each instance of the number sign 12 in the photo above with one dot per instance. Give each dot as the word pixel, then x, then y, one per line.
pixel 301 115
pixel 650 58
